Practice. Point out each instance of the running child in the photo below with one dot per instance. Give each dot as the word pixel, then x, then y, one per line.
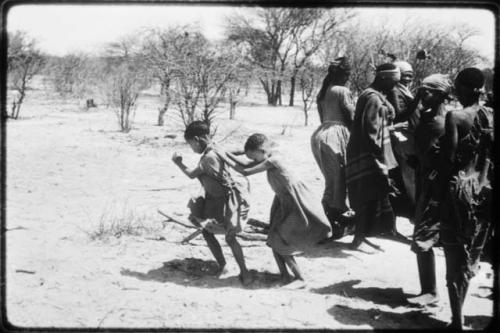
pixel 224 208
pixel 297 220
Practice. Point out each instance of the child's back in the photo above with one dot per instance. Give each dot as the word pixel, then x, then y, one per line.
pixel 225 199
pixel 297 217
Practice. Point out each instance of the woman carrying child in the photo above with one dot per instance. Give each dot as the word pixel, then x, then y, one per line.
pixel 297 220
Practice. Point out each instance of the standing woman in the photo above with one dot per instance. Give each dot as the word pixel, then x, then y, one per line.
pixel 402 138
pixel 329 141
pixel 466 194
pixel 432 94
pixel 370 157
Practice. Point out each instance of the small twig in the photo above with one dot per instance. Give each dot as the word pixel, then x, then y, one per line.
pixel 375 246
pixel 24 271
pixel 156 189
pixel 105 316
pixel 258 223
pixel 191 236
pixel 176 220
pixel 229 134
pixel 16 228
pixel 242 235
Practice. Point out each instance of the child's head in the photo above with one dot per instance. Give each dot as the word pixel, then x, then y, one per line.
pixel 197 135
pixel 257 147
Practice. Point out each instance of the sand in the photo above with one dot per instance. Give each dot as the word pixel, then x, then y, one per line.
pixel 70 171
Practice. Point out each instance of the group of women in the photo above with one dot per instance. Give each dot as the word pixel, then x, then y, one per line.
pixel 443 159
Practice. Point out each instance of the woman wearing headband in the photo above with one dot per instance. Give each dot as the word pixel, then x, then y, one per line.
pixel 370 157
pixel 432 94
pixel 402 138
pixel 329 141
pixel 465 192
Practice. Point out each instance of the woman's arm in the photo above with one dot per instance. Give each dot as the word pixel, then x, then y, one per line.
pixel 372 122
pixel 190 172
pixel 320 111
pixel 448 151
pixel 347 105
pixel 404 115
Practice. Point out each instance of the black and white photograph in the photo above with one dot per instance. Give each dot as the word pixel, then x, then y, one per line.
pixel 201 166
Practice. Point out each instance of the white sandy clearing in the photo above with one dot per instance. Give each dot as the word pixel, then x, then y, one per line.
pixel 67 168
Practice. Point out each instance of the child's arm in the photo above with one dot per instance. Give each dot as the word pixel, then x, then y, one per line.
pixel 246 171
pixel 190 172
pixel 241 160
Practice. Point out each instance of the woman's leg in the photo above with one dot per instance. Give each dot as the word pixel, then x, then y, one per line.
pixel 457 281
pixel 427 275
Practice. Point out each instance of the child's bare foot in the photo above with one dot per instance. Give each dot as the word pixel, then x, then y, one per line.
pixel 246 279
pixel 222 271
pixel 295 284
pixel 286 279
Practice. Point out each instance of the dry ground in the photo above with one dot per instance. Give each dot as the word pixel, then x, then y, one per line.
pixel 71 174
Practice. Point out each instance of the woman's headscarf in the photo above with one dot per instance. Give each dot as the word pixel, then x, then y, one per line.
pixel 403 66
pixel 439 82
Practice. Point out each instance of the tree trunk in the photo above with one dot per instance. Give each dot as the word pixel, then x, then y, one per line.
pixel 165 89
pixel 292 89
pixel 17 106
pixel 162 111
pixel 232 110
pixel 278 93
pixel 232 105
pixel 306 116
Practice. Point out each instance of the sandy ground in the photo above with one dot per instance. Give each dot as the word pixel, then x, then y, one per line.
pixel 70 170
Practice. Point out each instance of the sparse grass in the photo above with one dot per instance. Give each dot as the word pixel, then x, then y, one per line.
pixel 126 222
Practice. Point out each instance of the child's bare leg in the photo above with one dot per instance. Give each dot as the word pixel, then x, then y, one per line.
pixel 298 282
pixel 285 276
pixel 214 246
pixel 240 260
pixel 290 261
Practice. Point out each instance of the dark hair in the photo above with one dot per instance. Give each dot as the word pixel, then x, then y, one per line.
pixel 255 141
pixel 471 78
pixel 336 71
pixel 386 67
pixel 196 128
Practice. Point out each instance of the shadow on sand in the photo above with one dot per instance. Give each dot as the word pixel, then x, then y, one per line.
pixel 201 273
pixel 333 249
pixel 392 297
pixel 480 323
pixel 379 319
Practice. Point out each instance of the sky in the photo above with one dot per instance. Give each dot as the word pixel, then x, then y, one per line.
pixel 62 29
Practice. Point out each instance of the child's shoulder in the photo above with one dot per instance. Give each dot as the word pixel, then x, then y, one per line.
pixel 276 159
pixel 210 158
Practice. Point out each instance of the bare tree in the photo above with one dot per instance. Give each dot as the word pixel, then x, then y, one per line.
pixel 162 51
pixel 124 76
pixel 445 48
pixel 70 74
pixel 315 28
pixel 268 38
pixel 203 73
pixel 24 62
pixel 309 78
